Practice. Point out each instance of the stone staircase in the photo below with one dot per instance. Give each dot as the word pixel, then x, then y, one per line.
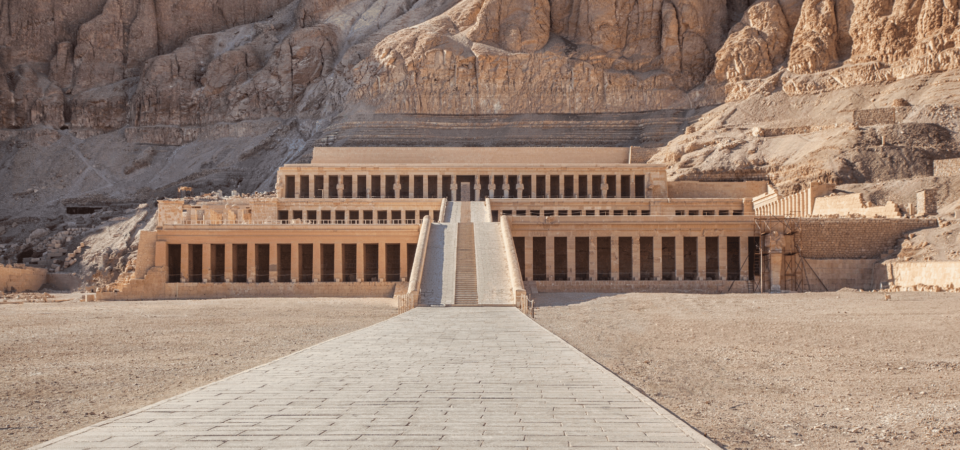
pixel 466 290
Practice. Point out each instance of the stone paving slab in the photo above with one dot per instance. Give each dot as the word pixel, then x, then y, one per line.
pixel 431 378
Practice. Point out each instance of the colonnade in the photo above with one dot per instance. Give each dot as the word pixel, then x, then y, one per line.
pixel 293 261
pixel 556 256
pixel 491 185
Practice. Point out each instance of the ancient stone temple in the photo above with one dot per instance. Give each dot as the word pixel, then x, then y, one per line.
pixel 467 226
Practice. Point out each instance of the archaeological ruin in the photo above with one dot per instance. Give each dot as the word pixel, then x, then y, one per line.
pixel 490 226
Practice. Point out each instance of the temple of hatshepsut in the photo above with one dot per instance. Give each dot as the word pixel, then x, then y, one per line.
pixel 490 226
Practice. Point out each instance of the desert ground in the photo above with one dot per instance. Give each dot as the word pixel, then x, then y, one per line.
pixel 845 370
pixel 68 365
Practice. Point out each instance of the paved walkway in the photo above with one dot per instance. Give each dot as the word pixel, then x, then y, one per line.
pixel 430 378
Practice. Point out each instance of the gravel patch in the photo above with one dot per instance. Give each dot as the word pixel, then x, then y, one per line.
pixel 821 370
pixel 69 365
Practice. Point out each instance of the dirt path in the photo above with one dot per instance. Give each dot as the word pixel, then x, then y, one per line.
pixel 69 365
pixel 835 370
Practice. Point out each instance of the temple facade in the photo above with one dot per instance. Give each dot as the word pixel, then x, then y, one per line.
pixel 463 226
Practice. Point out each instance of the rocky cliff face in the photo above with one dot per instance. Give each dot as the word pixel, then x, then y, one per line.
pixel 213 87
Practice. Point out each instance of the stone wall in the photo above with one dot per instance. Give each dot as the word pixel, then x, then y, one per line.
pixel 21 279
pixel 923 275
pixel 879 116
pixel 946 167
pixel 853 205
pixel 689 286
pixel 836 274
pixel 854 238
pixel 153 287
pixel 701 189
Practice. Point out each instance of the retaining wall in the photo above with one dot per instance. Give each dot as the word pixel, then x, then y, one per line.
pixel 836 274
pixel 910 275
pixel 854 238
pixel 691 286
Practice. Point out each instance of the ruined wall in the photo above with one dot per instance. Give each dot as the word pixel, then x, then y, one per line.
pixel 852 204
pixel 879 116
pixel 21 279
pixel 946 167
pixel 923 275
pixel 836 274
pixel 854 238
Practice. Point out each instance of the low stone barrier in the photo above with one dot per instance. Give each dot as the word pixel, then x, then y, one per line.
pixel 686 286
pixel 21 279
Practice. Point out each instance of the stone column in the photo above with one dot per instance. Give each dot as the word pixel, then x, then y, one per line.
pixel 701 258
pixel 206 257
pixel 426 186
pixel 439 185
pixel 562 186
pixel 533 185
pixel 251 263
pixel 604 186
pixel 317 258
pixel 678 253
pixel 551 257
pixel 576 186
pixel 310 187
pixel 744 258
pixel 506 186
pixel 228 263
pixel 382 260
pixel 593 258
pixel 722 254
pixel 528 257
pixel 361 260
pixel 413 185
pixel 590 186
pixel 657 257
pixel 396 186
pixel 453 188
pixel 184 263
pixel 520 186
pixel 294 262
pixel 547 181
pixel 338 262
pixel 776 260
pixel 383 186
pixel 571 257
pixel 633 186
pixel 476 188
pixel 296 186
pixel 636 257
pixel 615 258
pixel 403 261
pixel 491 187
pixel 339 186
pixel 273 263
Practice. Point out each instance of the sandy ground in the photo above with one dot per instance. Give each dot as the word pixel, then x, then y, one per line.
pixel 837 370
pixel 68 365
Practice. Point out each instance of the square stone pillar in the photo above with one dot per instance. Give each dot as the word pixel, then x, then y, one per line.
pixel 184 262
pixel 722 254
pixel 551 257
pixel 528 257
pixel 339 186
pixel 776 264
pixel 361 260
pixel 604 186
pixel 207 258
pixel 383 186
pixel 317 261
pixel 396 186
pixel 273 262
pixel 571 257
pixel 439 185
pixel 338 262
pixel 251 263
pixel 614 258
pixel 701 258
pixel 382 260
pixel 310 187
pixel 413 186
pixel 562 186
pixel 426 186
pixel 678 253
pixel 590 186
pixel 403 261
pixel 294 262
pixel 491 186
pixel 576 186
pixel 593 258
pixel 744 258
pixel 657 257
pixel 633 186
pixel 533 185
pixel 453 188
pixel 546 188
pixel 636 257
pixel 520 186
pixel 296 186
pixel 228 263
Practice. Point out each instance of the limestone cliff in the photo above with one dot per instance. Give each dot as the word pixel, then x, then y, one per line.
pixel 219 92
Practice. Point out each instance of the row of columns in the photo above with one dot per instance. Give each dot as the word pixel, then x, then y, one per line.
pixel 418 215
pixel 799 204
pixel 635 241
pixel 519 188
pixel 295 275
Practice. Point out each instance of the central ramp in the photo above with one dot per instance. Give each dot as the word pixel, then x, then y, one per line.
pixel 428 378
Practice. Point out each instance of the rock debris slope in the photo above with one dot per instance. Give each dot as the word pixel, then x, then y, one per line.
pixel 113 101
